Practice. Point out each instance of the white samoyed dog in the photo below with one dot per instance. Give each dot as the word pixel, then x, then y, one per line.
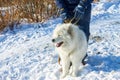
pixel 71 44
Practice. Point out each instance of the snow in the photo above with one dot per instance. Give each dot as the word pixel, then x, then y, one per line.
pixel 27 53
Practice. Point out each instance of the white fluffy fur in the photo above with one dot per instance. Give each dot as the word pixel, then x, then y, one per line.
pixel 73 49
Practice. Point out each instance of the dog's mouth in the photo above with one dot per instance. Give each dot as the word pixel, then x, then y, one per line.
pixel 59 44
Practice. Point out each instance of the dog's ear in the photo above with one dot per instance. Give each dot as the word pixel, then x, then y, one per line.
pixel 70 30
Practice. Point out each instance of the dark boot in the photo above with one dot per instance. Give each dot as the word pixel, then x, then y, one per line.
pixel 83 61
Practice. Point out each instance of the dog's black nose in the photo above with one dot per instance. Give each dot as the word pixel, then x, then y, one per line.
pixel 53 40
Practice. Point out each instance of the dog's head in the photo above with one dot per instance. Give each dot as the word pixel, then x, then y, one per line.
pixel 62 35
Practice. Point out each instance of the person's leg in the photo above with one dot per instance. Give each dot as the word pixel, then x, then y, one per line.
pixel 85 23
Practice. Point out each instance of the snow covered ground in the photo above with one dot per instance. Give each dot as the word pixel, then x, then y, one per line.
pixel 28 54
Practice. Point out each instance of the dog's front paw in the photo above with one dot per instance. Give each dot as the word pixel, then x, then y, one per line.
pixel 63 76
pixel 74 74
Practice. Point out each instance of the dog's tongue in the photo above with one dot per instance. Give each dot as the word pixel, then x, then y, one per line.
pixel 59 44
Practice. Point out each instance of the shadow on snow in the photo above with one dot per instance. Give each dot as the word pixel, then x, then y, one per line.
pixel 104 63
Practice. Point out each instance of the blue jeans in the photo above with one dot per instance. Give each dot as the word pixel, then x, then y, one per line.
pixel 84 23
